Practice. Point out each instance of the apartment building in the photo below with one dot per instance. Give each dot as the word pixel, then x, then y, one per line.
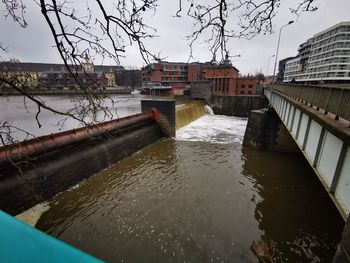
pixel 324 57
pixel 167 78
pixel 170 77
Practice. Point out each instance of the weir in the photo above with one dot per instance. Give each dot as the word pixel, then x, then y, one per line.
pixel 188 112
pixel 174 115
pixel 37 169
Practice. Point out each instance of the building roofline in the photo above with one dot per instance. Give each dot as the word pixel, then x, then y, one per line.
pixel 42 67
pixel 344 23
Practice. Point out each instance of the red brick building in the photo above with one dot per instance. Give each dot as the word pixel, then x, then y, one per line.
pixel 166 78
pixel 224 77
pixel 246 86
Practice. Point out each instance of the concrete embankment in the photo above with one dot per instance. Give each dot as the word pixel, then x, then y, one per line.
pixel 31 173
pixel 239 106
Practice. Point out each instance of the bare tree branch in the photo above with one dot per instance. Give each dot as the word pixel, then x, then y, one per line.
pixel 225 19
pixel 103 32
pixel 15 9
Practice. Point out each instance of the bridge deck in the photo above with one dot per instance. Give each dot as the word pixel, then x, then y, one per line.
pixel 322 137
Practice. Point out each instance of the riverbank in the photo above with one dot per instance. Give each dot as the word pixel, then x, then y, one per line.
pixel 66 92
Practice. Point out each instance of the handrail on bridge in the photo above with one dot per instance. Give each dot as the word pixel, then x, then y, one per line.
pixel 334 100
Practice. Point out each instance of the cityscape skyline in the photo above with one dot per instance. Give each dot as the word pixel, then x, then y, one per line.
pixel 253 54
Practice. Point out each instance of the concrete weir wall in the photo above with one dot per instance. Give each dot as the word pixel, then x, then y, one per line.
pixel 239 106
pixel 175 115
pixel 44 175
pixel 166 109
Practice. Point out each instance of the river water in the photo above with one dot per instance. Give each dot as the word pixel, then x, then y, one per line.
pixel 20 113
pixel 200 197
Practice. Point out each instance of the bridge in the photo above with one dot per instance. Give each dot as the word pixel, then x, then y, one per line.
pixel 318 118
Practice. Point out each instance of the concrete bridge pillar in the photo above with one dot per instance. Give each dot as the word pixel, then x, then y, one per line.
pixel 342 255
pixel 265 131
pixel 166 109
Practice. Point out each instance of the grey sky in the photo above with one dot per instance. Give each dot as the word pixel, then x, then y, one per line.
pixel 34 44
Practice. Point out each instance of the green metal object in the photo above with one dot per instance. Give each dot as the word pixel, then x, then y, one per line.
pixel 22 243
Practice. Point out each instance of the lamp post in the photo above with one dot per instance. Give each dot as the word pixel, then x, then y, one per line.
pixel 268 63
pixel 278 46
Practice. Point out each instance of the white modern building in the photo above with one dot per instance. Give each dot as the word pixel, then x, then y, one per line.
pixel 324 57
pixel 292 69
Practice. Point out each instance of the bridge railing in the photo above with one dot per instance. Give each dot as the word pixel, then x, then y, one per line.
pixel 335 100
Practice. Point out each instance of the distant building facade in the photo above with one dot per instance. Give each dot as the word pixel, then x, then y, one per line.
pixel 57 76
pixel 323 58
pixel 128 78
pixel 167 78
pixel 282 69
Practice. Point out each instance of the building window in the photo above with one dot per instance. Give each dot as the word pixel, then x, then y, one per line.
pixel 242 86
pixel 250 92
pixel 242 92
pixel 250 86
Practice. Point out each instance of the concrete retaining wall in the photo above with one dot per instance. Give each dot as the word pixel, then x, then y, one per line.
pixel 237 105
pixel 56 171
pixel 201 90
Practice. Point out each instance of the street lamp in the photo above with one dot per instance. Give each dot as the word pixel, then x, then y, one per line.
pixel 268 63
pixel 278 46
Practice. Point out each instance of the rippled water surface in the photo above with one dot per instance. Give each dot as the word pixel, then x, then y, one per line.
pixel 199 198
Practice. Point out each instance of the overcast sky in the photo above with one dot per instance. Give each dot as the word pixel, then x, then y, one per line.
pixel 35 44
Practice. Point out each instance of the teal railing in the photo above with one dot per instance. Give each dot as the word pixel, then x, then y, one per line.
pixel 22 243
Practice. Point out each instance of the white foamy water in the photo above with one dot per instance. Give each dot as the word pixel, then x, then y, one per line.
pixel 214 129
pixel 208 110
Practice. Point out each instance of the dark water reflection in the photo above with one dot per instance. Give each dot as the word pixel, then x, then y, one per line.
pixel 294 210
pixel 181 201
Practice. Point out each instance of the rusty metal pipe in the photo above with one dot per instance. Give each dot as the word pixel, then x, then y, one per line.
pixel 48 143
